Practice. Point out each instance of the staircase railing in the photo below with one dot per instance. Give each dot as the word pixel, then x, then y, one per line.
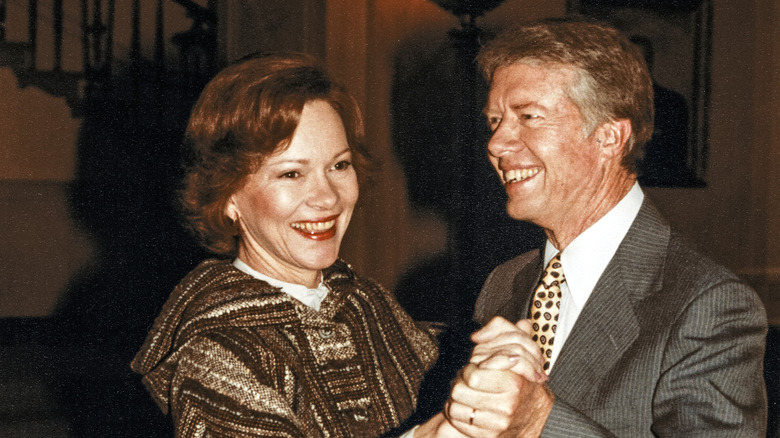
pixel 100 69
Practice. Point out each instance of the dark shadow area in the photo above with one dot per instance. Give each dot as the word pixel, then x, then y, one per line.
pixel 772 378
pixel 124 197
pixel 440 138
pixel 455 350
pixel 69 373
pixel 665 159
pixel 677 154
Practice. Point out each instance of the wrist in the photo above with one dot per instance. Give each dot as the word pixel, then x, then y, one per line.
pixel 543 404
pixel 427 429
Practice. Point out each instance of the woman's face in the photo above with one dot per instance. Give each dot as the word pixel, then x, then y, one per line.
pixel 295 208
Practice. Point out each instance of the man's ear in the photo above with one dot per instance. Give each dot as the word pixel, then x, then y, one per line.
pixel 612 137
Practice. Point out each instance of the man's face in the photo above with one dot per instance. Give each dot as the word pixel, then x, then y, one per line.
pixel 551 171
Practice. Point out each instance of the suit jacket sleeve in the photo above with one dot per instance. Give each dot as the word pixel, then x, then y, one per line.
pixel 712 370
pixel 566 421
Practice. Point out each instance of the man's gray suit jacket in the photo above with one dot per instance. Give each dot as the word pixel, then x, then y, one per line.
pixel 668 344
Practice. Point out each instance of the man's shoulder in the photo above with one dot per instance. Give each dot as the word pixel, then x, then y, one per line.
pixel 517 263
pixel 505 274
pixel 686 264
pixel 681 273
pixel 502 293
pixel 652 241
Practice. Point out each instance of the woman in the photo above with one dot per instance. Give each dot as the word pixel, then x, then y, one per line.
pixel 277 336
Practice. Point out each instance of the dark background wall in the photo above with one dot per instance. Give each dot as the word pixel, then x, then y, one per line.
pixel 92 246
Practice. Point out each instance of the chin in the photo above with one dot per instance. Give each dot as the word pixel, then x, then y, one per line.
pixel 320 263
pixel 517 214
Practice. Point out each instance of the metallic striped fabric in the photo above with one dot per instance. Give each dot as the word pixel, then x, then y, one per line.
pixel 230 355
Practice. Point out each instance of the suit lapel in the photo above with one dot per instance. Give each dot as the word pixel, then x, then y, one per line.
pixel 523 286
pixel 507 291
pixel 607 325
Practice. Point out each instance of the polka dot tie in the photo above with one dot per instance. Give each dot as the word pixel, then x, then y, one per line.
pixel 545 307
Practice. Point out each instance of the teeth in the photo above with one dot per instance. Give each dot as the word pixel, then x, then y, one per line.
pixel 314 227
pixel 511 176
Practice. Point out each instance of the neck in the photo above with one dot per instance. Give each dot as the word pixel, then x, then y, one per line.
pixel 594 209
pixel 306 277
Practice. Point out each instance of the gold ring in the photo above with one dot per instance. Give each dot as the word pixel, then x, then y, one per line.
pixel 471 418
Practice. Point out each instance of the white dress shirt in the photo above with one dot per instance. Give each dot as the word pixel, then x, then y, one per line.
pixel 310 297
pixel 586 258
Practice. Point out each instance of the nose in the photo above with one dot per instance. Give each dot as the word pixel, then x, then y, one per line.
pixel 505 139
pixel 323 193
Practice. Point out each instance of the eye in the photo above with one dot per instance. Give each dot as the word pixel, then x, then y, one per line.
pixel 493 122
pixel 529 116
pixel 292 174
pixel 343 165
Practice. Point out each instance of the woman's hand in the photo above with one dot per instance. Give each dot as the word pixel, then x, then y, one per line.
pixel 497 403
pixel 438 427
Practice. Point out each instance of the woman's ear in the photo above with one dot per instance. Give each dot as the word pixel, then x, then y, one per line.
pixel 231 209
pixel 613 136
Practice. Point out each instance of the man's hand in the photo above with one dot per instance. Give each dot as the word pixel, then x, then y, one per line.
pixel 501 392
pixel 501 345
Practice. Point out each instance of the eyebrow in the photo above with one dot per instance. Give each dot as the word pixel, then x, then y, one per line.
pixel 513 108
pixel 270 161
pixel 344 151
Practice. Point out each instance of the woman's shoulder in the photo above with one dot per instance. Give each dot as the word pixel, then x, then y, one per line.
pixel 215 296
pixel 222 292
pixel 342 278
pixel 208 272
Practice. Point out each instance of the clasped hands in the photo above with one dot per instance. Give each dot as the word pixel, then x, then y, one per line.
pixel 501 392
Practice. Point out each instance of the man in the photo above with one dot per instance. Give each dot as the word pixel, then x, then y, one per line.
pixel 650 338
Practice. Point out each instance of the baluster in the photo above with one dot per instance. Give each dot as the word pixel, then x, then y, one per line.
pixel 2 20
pixel 159 40
pixel 96 31
pixel 211 46
pixel 702 156
pixel 108 60
pixel 85 60
pixel 159 60
pixel 135 38
pixel 57 35
pixel 135 57
pixel 32 37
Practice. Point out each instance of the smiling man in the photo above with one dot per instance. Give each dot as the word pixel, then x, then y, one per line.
pixel 641 335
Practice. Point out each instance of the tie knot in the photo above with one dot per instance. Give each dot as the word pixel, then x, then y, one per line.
pixel 554 270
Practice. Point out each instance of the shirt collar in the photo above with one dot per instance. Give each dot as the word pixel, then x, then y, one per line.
pixel 588 255
pixel 310 297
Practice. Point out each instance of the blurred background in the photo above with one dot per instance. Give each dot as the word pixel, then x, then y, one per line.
pixel 94 98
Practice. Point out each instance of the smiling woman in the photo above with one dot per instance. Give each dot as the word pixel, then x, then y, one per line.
pixel 277 336
pixel 293 211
